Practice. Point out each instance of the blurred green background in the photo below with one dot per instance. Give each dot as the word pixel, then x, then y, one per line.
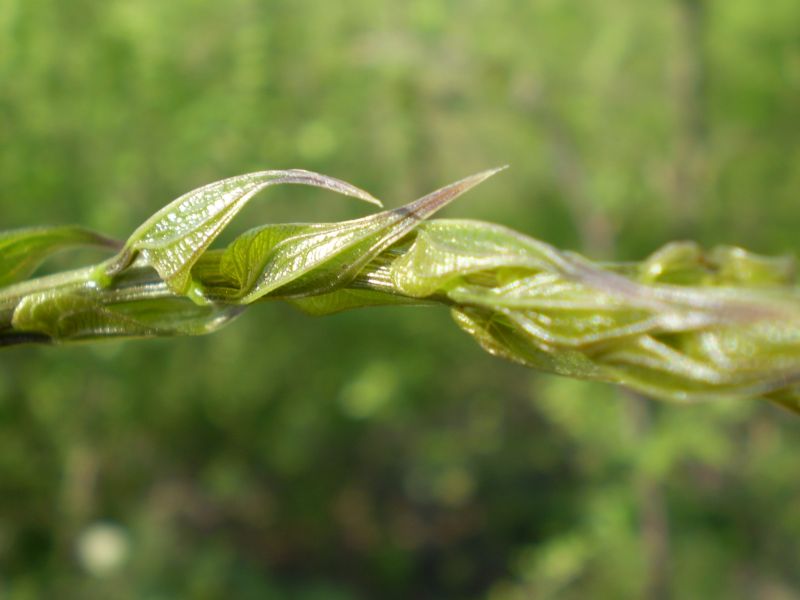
pixel 382 454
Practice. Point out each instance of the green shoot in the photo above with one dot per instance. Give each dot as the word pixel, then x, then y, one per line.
pixel 683 325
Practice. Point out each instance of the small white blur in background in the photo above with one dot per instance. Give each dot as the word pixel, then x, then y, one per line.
pixel 103 548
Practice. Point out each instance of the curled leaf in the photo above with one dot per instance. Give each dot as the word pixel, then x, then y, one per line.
pixel 302 260
pixel 173 239
pixel 128 309
pixel 683 325
pixel 734 330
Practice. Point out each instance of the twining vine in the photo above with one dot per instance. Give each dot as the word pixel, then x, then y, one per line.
pixel 682 325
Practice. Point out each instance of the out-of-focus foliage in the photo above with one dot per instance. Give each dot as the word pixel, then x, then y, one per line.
pixel 381 454
pixel 22 251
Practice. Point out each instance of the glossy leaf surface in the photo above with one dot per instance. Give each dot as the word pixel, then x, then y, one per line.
pixel 173 239
pixel 683 325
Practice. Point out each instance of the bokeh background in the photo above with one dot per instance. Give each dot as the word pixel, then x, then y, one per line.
pixel 381 453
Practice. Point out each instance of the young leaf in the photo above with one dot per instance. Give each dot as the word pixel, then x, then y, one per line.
pixel 82 312
pixel 300 260
pixel 683 325
pixel 172 240
pixel 733 331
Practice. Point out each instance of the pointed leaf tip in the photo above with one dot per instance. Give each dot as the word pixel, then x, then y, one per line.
pixel 173 239
pixel 427 205
pixel 264 265
pixel 302 176
pixel 472 180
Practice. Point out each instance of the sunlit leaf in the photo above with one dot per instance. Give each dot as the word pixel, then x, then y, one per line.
pixel 79 313
pixel 173 239
pixel 298 260
pixel 683 325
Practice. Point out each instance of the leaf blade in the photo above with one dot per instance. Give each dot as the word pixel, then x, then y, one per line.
pixel 174 238
pixel 330 255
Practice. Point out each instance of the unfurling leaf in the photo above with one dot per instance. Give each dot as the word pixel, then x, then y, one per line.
pixel 683 325
pixel 301 260
pixel 173 239
pixel 531 303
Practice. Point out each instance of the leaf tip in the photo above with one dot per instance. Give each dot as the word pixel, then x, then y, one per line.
pixel 365 196
pixel 471 181
pixel 372 200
